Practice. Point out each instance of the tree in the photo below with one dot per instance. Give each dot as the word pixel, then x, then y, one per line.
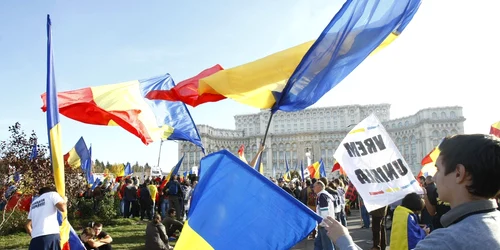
pixel 37 173
pixel 98 167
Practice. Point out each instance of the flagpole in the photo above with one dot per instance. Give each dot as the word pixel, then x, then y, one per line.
pixel 263 143
pixel 159 154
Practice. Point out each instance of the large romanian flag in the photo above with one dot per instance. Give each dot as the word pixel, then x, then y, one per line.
pixel 495 129
pixel 235 207
pixel 124 104
pixel 69 239
pixel 310 69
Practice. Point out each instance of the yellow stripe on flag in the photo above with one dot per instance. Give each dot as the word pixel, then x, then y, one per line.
pixel 190 239
pixel 388 40
pixel 253 83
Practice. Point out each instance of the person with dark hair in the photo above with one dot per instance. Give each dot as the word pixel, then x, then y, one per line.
pixel 468 170
pixel 156 237
pixel 406 232
pixel 146 201
pixel 86 238
pixel 102 240
pixel 171 224
pixel 130 199
pixel 43 225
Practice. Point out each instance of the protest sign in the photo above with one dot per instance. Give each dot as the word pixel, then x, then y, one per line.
pixel 374 165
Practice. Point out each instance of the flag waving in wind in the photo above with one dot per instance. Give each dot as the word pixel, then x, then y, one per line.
pixel 69 239
pixel 124 104
pixel 78 155
pixel 253 214
pixel 358 29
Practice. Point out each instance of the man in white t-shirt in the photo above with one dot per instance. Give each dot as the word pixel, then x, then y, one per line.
pixel 43 225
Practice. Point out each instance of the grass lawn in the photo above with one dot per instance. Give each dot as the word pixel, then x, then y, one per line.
pixel 124 237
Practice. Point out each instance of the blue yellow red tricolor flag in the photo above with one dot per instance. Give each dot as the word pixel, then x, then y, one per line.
pixel 254 213
pixel 360 28
pixel 297 77
pixel 429 163
pixel 405 232
pixel 78 155
pixel 69 239
pixel 125 105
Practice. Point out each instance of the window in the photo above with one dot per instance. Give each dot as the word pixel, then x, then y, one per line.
pixel 443 115
pixel 434 115
pixel 453 115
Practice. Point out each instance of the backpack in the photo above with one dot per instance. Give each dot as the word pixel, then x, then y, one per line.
pixel 172 188
pixel 336 202
pixel 311 198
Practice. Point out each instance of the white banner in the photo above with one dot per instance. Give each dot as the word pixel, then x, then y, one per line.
pixel 374 165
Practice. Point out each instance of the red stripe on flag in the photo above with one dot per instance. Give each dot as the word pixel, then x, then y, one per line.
pixel 187 90
pixel 495 131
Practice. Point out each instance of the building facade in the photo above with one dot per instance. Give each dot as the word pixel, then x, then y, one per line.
pixel 319 131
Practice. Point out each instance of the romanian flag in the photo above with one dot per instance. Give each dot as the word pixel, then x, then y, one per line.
pixel 78 155
pixel 124 170
pixel 241 154
pixel 313 171
pixel 287 175
pixel 253 214
pixel 124 104
pixel 69 239
pixel 405 232
pixel 495 129
pixel 309 70
pixel 429 163
pixel 360 28
pixel 187 90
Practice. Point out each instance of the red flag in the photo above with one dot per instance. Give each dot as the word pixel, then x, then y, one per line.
pixel 187 90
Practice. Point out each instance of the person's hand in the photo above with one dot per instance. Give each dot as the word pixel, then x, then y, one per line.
pixel 334 229
pixel 427 230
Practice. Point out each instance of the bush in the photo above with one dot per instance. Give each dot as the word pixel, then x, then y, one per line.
pixel 83 212
pixel 15 222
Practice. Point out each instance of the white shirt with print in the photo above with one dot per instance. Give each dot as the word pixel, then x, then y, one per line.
pixel 43 214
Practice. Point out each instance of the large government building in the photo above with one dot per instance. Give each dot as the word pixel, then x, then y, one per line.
pixel 319 131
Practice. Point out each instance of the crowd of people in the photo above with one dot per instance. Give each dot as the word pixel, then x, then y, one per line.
pixel 462 195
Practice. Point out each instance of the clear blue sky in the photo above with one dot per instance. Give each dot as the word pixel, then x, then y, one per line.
pixel 446 56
